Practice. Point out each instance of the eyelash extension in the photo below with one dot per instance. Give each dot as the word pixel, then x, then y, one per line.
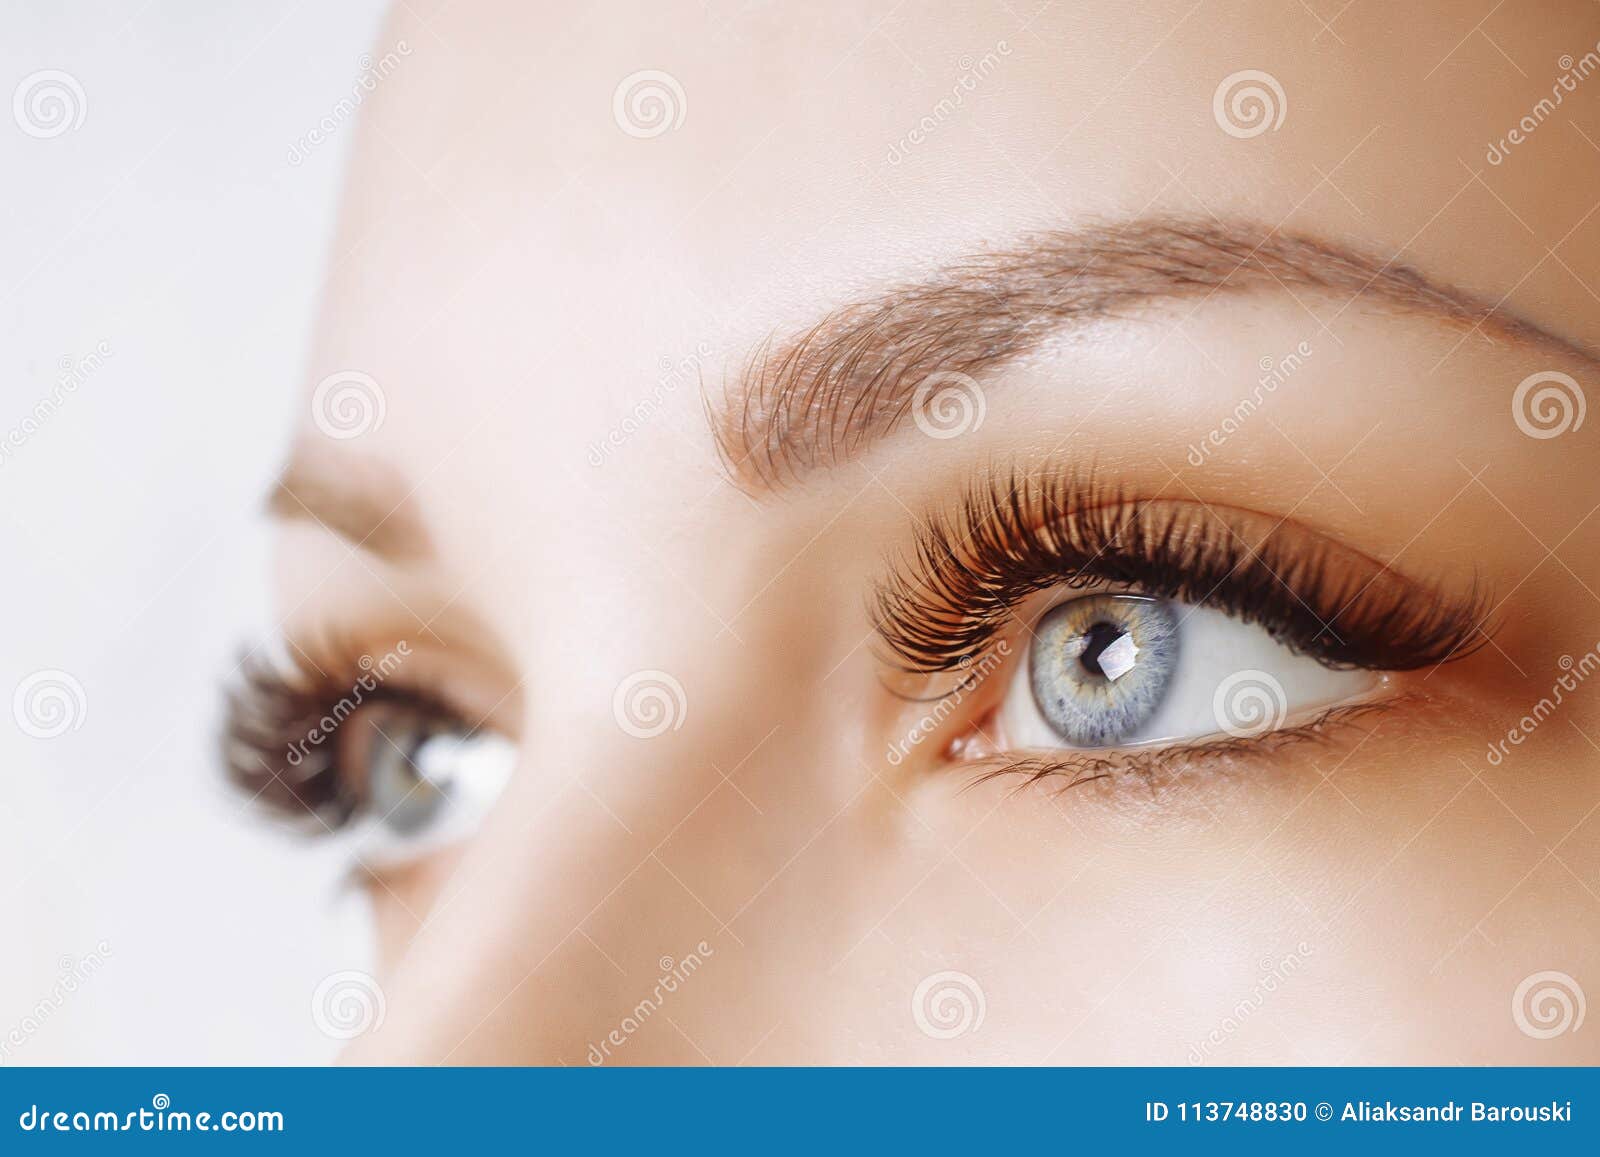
pixel 1013 535
pixel 279 705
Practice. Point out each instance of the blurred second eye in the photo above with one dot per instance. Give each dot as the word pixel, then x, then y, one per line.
pixel 1123 670
pixel 428 785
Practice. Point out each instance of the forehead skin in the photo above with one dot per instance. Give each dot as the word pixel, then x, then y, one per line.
pixel 790 181
pixel 535 261
pixel 516 270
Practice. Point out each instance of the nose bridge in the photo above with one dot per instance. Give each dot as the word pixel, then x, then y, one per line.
pixel 524 926
pixel 650 807
pixel 691 747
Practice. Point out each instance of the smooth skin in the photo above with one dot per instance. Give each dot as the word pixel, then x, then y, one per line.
pixel 514 269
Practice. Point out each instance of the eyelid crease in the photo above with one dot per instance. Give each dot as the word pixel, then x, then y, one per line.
pixel 1015 533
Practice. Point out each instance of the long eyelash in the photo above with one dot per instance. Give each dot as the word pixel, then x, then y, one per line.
pixel 1014 535
pixel 273 711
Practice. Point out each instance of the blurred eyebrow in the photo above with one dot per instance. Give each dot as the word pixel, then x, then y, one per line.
pixel 361 500
pixel 821 397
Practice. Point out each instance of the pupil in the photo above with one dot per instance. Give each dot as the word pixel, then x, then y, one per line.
pixel 1096 639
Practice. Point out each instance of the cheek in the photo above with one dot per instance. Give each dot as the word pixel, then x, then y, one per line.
pixel 402 901
pixel 1329 895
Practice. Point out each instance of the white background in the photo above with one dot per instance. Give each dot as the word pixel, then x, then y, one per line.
pixel 172 226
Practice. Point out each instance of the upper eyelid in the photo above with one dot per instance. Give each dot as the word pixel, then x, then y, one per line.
pixel 1019 532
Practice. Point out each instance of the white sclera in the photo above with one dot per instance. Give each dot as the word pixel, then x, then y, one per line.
pixel 1212 648
pixel 470 771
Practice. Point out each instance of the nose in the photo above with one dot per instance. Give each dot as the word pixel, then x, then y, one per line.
pixel 636 894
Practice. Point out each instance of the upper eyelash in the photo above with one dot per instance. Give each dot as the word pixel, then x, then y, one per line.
pixel 1012 535
pixel 276 705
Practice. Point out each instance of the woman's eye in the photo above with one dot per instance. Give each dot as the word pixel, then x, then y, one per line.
pixel 1122 670
pixel 424 784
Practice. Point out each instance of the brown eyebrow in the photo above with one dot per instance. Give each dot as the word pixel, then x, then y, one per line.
pixel 819 398
pixel 360 500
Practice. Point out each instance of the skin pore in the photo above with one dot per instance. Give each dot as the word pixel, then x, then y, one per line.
pixel 650 406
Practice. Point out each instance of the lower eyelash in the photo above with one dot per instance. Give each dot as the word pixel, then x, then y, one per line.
pixel 1329 728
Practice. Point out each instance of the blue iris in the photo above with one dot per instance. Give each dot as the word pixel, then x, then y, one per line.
pixel 1101 664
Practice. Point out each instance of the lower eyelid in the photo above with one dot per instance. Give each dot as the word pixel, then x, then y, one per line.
pixel 1331 727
